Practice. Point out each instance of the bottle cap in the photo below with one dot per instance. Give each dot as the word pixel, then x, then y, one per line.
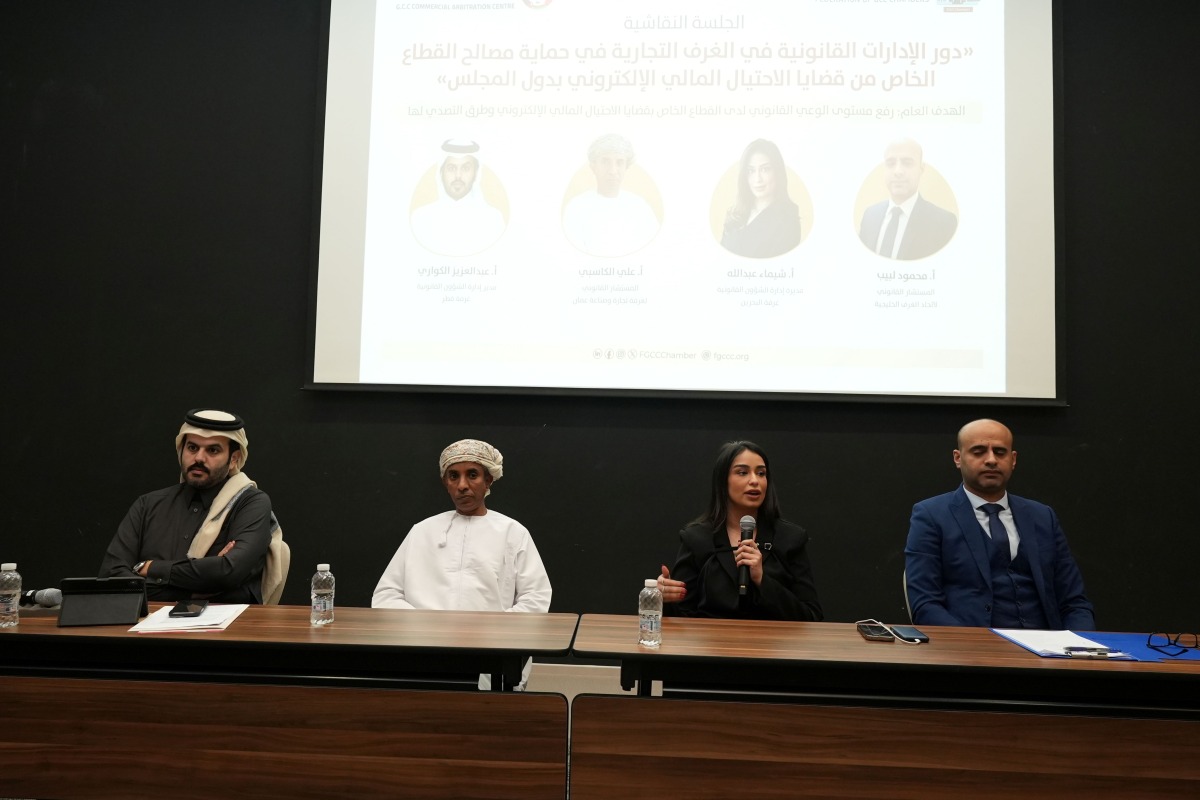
pixel 8 567
pixel 651 583
pixel 322 568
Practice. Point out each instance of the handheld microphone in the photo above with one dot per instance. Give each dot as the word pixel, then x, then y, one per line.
pixel 46 598
pixel 747 523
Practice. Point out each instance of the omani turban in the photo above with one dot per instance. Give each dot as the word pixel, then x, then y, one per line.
pixel 472 450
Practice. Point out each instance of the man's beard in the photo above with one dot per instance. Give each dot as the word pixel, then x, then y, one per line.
pixel 457 190
pixel 209 478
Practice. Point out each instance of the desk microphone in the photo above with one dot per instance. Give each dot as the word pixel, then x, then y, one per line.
pixel 747 523
pixel 46 598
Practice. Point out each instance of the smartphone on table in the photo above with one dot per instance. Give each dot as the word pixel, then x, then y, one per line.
pixel 909 634
pixel 188 608
pixel 875 632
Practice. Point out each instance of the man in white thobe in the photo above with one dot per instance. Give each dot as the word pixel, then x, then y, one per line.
pixel 460 222
pixel 610 221
pixel 471 558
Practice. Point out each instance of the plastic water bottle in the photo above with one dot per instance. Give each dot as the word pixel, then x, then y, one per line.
pixel 322 596
pixel 10 595
pixel 650 613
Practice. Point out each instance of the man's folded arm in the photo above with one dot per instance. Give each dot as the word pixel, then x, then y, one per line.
pixel 250 532
pixel 125 548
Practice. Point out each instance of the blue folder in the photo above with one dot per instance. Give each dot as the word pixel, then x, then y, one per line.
pixel 1135 645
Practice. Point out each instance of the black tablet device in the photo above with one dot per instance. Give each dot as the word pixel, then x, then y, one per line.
pixel 102 601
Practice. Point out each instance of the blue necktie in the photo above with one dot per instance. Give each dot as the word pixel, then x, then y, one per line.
pixel 996 528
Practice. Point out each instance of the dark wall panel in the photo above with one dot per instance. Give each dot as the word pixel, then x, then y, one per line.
pixel 156 210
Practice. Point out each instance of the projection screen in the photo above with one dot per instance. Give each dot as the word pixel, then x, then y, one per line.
pixel 773 198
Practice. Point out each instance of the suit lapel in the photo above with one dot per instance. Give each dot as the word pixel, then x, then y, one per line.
pixel 724 556
pixel 972 533
pixel 872 229
pixel 1027 530
pixel 909 245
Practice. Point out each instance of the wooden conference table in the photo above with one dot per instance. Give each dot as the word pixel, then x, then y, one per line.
pixel 274 708
pixel 785 710
pixel 827 660
pixel 271 644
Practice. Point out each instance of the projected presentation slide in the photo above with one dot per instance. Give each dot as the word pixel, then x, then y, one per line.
pixel 793 197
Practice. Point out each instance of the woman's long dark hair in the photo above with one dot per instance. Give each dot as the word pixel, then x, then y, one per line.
pixel 737 216
pixel 718 501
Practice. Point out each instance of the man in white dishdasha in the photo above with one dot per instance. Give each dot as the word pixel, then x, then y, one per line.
pixel 471 558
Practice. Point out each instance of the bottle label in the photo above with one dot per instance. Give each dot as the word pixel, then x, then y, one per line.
pixel 651 623
pixel 322 602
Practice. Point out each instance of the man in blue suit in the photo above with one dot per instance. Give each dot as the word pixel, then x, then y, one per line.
pixel 982 557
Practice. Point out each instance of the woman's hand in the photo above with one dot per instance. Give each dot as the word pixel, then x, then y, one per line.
pixel 672 591
pixel 748 554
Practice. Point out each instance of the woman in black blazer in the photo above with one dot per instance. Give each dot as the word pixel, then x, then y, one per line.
pixel 704 581
pixel 764 221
